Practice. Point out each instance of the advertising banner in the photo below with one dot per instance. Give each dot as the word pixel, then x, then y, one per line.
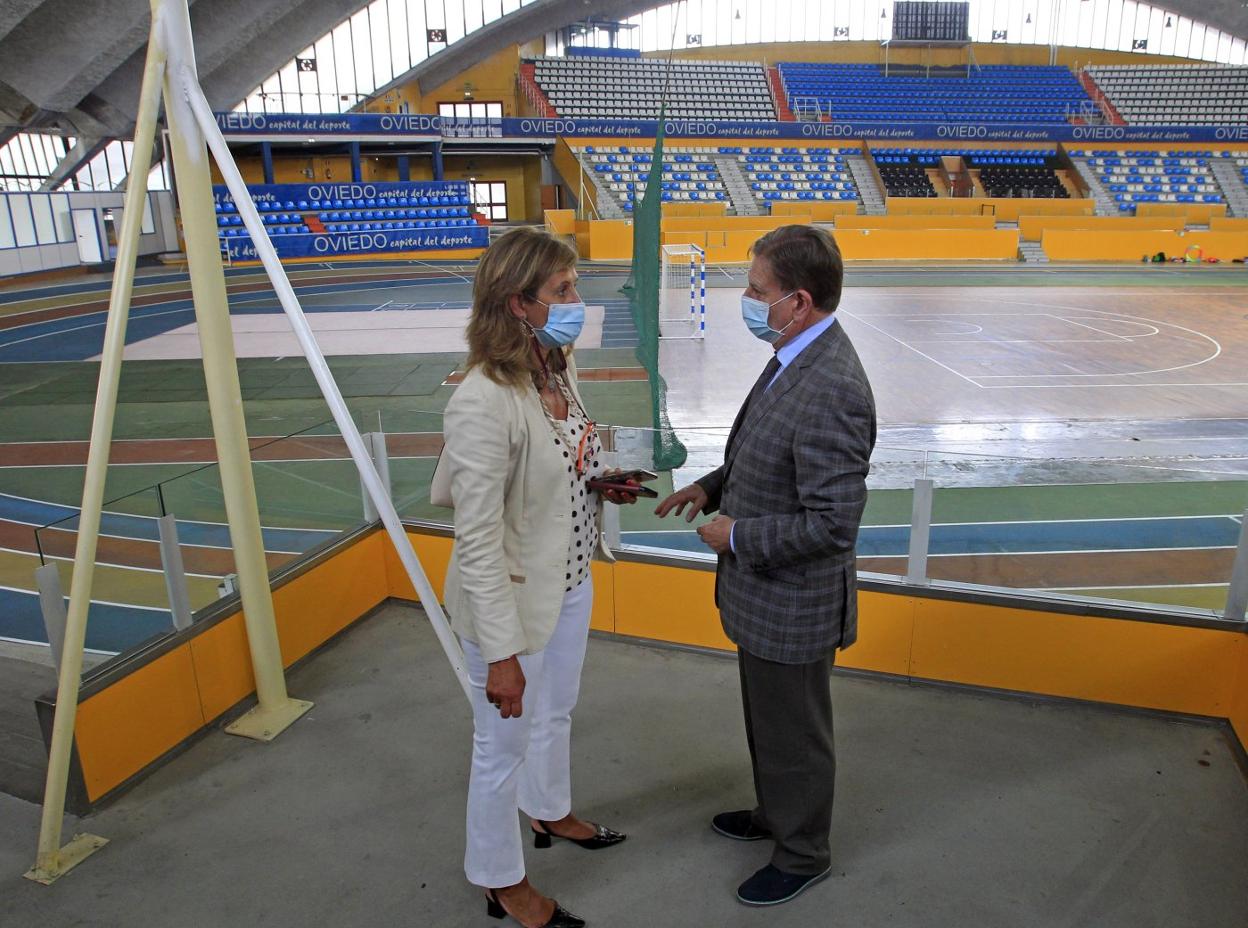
pixel 334 244
pixel 385 193
pixel 417 126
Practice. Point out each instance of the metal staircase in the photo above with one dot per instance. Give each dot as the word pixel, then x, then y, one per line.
pixel 1105 204
pixel 1226 172
pixel 869 191
pixel 743 200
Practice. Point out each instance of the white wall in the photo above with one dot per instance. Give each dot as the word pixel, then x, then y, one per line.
pixel 37 234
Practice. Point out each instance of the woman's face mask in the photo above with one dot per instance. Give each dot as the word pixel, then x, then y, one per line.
pixel 755 313
pixel 563 324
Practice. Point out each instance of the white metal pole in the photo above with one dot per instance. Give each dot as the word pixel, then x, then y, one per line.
pixel 324 378
pixel 53 860
pixel 276 710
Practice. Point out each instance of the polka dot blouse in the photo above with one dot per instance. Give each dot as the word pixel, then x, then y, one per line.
pixel 568 435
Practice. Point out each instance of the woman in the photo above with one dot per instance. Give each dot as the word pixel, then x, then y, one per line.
pixel 521 451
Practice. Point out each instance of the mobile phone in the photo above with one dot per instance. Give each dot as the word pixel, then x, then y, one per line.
pixel 614 483
pixel 637 474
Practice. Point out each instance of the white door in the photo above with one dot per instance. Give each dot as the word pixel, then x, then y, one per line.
pixel 88 235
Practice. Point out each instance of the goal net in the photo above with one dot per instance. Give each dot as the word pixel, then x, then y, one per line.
pixel 682 292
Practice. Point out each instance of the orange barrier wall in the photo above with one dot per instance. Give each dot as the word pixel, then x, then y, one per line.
pixel 1142 664
pixel 935 245
pixel 604 239
pixel 1006 208
pixel 560 221
pixel 1032 227
pixel 818 210
pixel 163 701
pixel 1075 245
pixel 718 208
pixel 1228 224
pixel 916 221
pixel 1194 214
pixel 728 246
pixel 730 223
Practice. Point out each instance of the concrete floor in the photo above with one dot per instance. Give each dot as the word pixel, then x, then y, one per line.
pixel 953 809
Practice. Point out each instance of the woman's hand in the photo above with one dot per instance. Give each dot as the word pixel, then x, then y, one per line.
pixel 619 497
pixel 504 687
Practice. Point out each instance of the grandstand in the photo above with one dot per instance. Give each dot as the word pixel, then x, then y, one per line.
pixel 626 88
pixel 1190 95
pixel 1135 176
pixel 994 93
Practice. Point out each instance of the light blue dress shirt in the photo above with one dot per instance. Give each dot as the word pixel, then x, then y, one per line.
pixel 786 356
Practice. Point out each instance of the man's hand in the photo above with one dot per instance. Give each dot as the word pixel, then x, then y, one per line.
pixel 717 534
pixel 504 687
pixel 693 496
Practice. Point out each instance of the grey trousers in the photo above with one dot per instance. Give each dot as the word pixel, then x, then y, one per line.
pixel 788 725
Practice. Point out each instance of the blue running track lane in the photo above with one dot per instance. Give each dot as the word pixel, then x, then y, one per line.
pixel 1014 537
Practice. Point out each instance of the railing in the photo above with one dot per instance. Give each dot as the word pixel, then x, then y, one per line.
pixel 533 93
pixel 1121 536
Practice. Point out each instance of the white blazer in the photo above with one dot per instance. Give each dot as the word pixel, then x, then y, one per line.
pixel 513 520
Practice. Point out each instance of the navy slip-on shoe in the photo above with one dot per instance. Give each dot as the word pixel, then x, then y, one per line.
pixel 771 886
pixel 739 826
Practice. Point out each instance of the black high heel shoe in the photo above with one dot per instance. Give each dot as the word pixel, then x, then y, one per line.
pixel 602 837
pixel 560 918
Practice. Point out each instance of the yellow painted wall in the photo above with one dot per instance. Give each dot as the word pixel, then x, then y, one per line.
pixel 911 221
pixel 726 247
pixel 1194 214
pixel 570 170
pixel 1033 227
pixel 1228 224
pixel 818 211
pixel 730 223
pixel 492 80
pixel 521 174
pixel 1075 245
pixel 934 245
pixel 718 208
pixel 560 221
pixel 1239 696
pixel 1006 208
pixel 609 240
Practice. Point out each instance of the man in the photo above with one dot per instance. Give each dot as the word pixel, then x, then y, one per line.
pixel 790 496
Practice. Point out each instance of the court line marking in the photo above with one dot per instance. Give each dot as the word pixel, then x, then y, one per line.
pixel 915 350
pixel 1094 328
pixel 1107 314
pixel 151 570
pixel 100 602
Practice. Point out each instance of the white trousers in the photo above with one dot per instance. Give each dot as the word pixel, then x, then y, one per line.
pixel 524 763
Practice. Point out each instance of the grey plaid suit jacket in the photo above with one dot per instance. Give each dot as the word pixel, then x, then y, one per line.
pixel 794 479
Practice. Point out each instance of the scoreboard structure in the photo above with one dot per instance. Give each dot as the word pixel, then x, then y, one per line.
pixel 941 21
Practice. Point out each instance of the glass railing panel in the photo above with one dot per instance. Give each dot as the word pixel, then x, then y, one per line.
pixel 130 604
pixel 413 443
pixel 1139 539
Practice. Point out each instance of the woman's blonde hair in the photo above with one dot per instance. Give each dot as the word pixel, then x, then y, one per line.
pixel 518 263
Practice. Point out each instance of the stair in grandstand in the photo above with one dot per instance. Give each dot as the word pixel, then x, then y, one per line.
pixel 776 82
pixel 868 187
pixel 608 206
pixel 1105 205
pixel 1232 176
pixel 738 187
pixel 1032 252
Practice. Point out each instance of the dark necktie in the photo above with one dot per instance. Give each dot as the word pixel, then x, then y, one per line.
pixel 764 380
pixel 759 389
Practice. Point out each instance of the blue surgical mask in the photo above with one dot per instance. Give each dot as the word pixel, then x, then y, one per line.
pixel 754 312
pixel 563 324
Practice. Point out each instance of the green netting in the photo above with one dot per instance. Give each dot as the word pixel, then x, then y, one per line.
pixel 643 282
